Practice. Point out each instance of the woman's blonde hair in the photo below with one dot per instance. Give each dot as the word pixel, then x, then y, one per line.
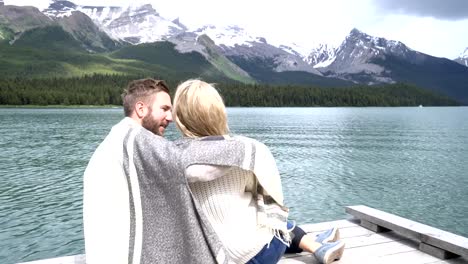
pixel 199 110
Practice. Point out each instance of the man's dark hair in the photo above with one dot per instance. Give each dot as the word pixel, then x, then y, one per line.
pixel 141 90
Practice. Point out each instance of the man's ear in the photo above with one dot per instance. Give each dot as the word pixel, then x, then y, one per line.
pixel 140 109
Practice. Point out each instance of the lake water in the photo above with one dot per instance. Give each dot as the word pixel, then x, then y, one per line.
pixel 409 161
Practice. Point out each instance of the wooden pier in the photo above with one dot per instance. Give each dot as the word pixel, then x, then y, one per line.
pixel 371 237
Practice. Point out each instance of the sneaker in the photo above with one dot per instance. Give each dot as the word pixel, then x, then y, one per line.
pixel 330 252
pixel 330 235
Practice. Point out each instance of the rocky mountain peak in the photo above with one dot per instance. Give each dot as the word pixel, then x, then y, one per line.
pixel 177 22
pixel 134 23
pixel 234 28
pixel 13 17
pixel 83 29
pixel 364 57
pixel 142 10
pixel 358 37
pixel 358 43
pixel 60 4
pixel 321 56
pixel 463 58
pixel 262 40
pixel 204 28
pixel 228 36
pixel 60 8
pixel 356 33
pixel 464 54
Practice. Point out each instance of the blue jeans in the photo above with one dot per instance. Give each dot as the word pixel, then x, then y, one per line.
pixel 269 254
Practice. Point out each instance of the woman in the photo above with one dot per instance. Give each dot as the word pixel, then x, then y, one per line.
pixel 244 206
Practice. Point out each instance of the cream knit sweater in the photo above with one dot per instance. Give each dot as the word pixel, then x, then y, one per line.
pixel 228 203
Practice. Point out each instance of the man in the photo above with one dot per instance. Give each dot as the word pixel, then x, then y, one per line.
pixel 148 103
pixel 137 207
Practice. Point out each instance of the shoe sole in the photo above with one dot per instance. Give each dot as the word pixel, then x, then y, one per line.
pixel 334 253
pixel 334 236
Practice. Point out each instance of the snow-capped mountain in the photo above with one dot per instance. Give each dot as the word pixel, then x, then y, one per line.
pixel 59 9
pixel 234 52
pixel 241 47
pixel 321 56
pixel 228 36
pixel 143 24
pixel 134 24
pixel 358 51
pixel 463 58
pixel 362 58
pixel 233 35
pixel 83 29
pixel 190 42
pixel 295 49
pixel 362 55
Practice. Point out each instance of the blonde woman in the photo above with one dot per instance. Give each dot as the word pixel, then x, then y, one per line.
pixel 243 201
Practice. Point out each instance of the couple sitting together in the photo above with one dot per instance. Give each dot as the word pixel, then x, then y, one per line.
pixel 205 198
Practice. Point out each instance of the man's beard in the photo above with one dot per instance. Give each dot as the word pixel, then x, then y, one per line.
pixel 151 124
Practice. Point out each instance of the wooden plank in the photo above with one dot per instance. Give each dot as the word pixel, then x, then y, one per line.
pixel 384 219
pixel 369 248
pixel 76 259
pixel 350 232
pixel 354 232
pixel 413 257
pixel 373 227
pixel 420 232
pixel 436 252
pixel 392 252
pixel 451 261
pixel 377 238
pixel 317 227
pixel 362 247
pixel 360 255
pixel 387 253
pixel 361 241
pixel 446 240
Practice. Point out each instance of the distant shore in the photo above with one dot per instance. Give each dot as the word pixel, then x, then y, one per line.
pixel 231 106
pixel 60 106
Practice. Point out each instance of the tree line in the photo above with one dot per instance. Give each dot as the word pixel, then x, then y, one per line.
pixel 106 90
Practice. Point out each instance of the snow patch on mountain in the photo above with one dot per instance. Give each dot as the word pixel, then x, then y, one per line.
pixel 233 35
pixel 60 9
pixel 295 49
pixel 135 23
pixel 321 56
pixel 464 55
pixel 229 36
pixel 463 58
pixel 325 63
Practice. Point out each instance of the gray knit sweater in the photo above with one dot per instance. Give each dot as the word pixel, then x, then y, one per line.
pixel 169 227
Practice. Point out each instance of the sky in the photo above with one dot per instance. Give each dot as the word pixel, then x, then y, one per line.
pixel 435 27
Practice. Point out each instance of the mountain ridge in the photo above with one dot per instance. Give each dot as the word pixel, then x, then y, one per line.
pixel 360 59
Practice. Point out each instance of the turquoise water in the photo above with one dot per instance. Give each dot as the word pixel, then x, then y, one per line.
pixel 409 161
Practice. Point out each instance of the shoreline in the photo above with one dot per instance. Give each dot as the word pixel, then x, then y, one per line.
pixel 119 106
pixel 60 106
